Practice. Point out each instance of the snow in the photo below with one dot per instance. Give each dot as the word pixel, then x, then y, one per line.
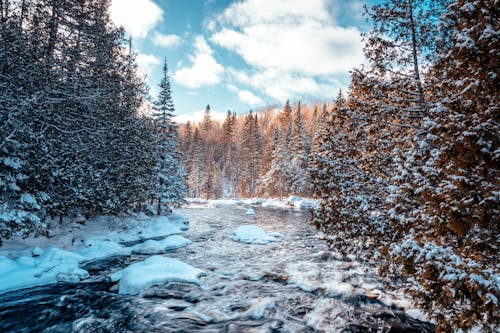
pixel 51 266
pixel 154 227
pixel 38 261
pixel 253 234
pixel 98 248
pixel 156 247
pixel 154 271
pixel 250 211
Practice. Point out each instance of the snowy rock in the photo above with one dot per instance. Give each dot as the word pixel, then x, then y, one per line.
pixel 148 247
pixel 157 247
pixel 150 228
pixel 174 242
pixel 154 271
pixel 96 248
pixel 253 234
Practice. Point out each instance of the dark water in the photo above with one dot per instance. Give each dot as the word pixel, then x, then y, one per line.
pixel 294 285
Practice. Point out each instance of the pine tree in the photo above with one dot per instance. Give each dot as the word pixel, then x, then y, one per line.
pixel 317 146
pixel 197 174
pixel 206 124
pixel 277 178
pixel 171 187
pixel 250 155
pixel 300 149
pixel 229 161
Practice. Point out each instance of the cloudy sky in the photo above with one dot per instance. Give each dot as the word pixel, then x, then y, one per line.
pixel 245 54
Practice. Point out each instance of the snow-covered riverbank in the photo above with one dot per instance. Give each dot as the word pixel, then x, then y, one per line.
pixel 31 262
pixel 39 261
pixel 289 202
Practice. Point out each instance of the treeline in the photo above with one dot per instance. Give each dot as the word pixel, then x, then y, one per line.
pixel 265 153
pixel 72 140
pixel 408 165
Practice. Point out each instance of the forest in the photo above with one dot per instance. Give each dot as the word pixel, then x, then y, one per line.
pixel 404 163
pixel 78 134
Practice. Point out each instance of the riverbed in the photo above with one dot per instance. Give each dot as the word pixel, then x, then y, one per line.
pixel 296 284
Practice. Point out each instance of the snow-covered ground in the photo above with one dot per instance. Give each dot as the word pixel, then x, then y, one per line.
pixel 290 202
pixel 39 261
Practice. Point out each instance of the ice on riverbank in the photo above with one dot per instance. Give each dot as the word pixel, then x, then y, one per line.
pixel 250 212
pixel 253 234
pixel 154 271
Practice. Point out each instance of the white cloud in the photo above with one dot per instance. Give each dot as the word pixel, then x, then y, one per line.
pixel 294 47
pixel 197 116
pixel 204 69
pixel 168 41
pixel 147 62
pixel 282 85
pixel 138 17
pixel 246 96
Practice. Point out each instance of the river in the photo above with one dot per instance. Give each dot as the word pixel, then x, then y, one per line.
pixel 296 284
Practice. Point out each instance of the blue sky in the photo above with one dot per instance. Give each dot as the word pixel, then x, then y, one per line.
pixel 245 54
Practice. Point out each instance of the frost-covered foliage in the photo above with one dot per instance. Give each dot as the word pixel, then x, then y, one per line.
pixel 408 172
pixel 71 138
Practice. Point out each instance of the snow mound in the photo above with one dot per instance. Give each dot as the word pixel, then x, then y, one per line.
pixel 50 266
pixel 250 211
pixel 99 248
pixel 156 247
pixel 159 226
pixel 253 234
pixel 154 271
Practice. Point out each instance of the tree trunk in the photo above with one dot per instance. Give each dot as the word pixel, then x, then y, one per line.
pixel 421 96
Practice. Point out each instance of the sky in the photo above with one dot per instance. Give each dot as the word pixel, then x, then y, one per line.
pixel 245 54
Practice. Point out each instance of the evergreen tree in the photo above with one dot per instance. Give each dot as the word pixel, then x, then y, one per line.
pixel 171 187
pixel 229 161
pixel 300 148
pixel 450 173
pixel 250 155
pixel 197 175
pixel 206 124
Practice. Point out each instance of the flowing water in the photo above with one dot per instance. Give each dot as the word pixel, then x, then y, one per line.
pixel 294 285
